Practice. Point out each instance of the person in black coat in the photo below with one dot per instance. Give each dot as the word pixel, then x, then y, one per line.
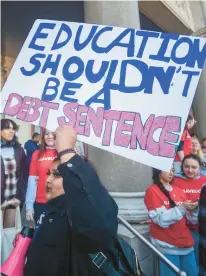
pixel 81 219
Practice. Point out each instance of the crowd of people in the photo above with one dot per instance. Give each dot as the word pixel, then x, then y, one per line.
pixel 73 212
pixel 176 207
pixel 176 203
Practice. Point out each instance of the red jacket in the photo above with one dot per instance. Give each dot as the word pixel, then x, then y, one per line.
pixel 177 233
pixel 192 189
pixel 39 167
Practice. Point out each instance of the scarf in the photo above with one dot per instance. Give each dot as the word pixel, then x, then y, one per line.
pixel 6 144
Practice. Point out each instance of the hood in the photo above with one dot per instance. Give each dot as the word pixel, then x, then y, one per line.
pixel 4 144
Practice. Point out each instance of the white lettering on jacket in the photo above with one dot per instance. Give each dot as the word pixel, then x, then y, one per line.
pixel 46 159
pixel 176 202
pixel 191 191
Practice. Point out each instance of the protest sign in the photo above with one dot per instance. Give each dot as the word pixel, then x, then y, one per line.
pixel 124 90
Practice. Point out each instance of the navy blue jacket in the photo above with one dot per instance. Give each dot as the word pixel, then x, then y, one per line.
pixel 82 221
pixel 30 147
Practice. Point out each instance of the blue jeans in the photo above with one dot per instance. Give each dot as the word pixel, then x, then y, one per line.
pixel 185 263
pixel 196 245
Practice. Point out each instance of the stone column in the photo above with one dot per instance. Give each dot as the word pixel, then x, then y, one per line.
pixel 24 132
pixel 198 9
pixel 114 13
pixel 199 105
pixel 125 179
pixel 117 173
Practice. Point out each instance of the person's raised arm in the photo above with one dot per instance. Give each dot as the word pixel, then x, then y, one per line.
pixel 92 213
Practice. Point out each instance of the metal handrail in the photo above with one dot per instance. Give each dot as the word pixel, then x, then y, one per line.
pixel 155 250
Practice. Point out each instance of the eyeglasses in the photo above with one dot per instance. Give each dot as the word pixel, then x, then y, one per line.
pixel 55 173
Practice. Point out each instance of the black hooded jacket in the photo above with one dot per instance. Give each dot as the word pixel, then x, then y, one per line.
pixel 82 221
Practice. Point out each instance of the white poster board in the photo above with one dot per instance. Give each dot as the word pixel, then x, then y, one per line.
pixel 124 90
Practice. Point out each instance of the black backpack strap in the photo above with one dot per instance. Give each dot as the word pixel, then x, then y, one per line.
pixel 103 264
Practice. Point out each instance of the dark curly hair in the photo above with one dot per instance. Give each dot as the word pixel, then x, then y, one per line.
pixel 156 179
pixel 5 124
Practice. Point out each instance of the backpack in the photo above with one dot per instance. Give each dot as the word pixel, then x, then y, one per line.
pixel 118 260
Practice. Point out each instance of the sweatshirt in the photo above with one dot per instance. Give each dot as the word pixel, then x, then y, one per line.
pixel 192 189
pixel 30 147
pixel 37 177
pixel 168 229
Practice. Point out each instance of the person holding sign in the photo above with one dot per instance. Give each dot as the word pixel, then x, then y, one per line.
pixel 40 163
pixel 190 182
pixel 81 217
pixel 168 206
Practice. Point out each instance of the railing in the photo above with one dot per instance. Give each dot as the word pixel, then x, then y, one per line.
pixel 147 243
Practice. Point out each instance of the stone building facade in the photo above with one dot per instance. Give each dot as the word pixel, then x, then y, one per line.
pixel 125 179
pixel 184 17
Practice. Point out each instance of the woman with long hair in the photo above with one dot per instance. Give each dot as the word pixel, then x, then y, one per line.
pixel 40 163
pixel 14 172
pixel 168 206
pixel 190 181
pixel 196 149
